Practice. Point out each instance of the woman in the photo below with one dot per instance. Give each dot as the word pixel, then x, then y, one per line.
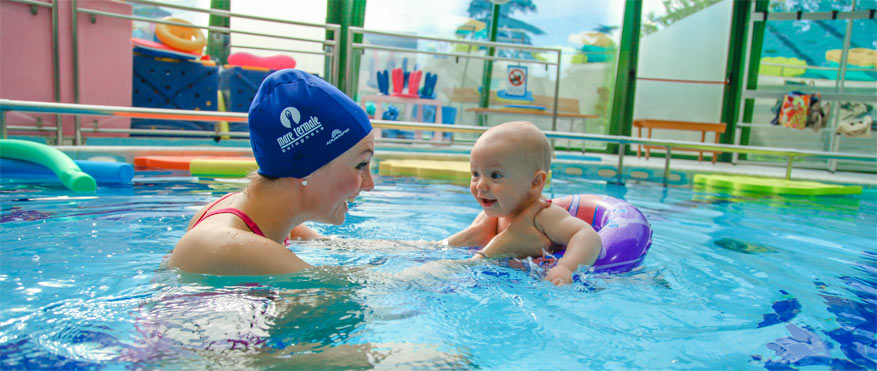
pixel 313 145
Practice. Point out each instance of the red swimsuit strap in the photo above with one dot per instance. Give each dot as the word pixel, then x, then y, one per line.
pixel 240 214
pixel 230 210
pixel 210 207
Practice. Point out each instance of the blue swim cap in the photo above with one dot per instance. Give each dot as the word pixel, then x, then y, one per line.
pixel 299 122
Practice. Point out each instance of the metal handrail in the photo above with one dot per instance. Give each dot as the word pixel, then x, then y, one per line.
pixel 494 44
pixel 81 109
pixel 226 13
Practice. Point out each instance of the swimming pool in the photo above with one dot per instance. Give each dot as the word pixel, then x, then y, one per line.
pixel 730 282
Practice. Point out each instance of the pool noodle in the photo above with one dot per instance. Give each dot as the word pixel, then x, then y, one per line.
pixel 102 171
pixel 222 167
pixel 61 164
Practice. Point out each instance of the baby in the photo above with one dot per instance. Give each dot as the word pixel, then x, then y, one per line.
pixel 510 164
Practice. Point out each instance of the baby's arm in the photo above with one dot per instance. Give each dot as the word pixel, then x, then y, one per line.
pixel 583 244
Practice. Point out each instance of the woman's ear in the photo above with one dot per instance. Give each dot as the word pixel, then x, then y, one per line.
pixel 539 180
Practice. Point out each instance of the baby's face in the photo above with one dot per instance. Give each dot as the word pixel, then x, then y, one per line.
pixel 499 181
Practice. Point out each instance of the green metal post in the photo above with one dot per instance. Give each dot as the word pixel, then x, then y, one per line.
pixel 752 76
pixel 357 19
pixel 345 13
pixel 621 116
pixel 488 65
pixel 218 43
pixel 734 71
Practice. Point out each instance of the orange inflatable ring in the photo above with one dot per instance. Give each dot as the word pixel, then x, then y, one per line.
pixel 183 38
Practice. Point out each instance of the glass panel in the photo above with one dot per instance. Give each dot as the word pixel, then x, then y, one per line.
pixel 805 56
pixel 587 32
pixel 777 6
pixel 681 70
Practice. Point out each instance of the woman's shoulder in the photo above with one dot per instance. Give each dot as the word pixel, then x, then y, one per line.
pixel 219 249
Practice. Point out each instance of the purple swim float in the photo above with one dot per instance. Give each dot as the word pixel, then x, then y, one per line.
pixel 624 230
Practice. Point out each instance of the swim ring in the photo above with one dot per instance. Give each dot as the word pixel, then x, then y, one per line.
pixel 624 230
pixel 183 38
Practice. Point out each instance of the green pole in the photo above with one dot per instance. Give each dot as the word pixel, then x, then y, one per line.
pixel 734 71
pixel 218 43
pixel 335 14
pixel 357 19
pixel 752 76
pixel 345 13
pixel 488 65
pixel 621 117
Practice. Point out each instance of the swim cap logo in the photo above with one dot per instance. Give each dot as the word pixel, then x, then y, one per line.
pixel 288 116
pixel 337 134
pixel 299 134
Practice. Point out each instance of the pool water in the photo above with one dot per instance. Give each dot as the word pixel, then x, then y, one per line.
pixel 731 282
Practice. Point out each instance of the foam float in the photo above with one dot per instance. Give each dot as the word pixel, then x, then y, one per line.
pixel 103 172
pixel 59 163
pixel 456 171
pixel 740 183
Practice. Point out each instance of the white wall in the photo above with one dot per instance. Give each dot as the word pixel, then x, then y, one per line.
pixel 695 48
pixel 312 11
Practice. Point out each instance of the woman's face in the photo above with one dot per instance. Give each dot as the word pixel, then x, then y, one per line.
pixel 340 181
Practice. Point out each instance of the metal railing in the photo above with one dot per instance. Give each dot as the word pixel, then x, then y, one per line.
pixel 327 44
pixel 496 45
pixel 623 141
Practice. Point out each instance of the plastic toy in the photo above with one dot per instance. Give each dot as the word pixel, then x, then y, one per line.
pixel 399 80
pixel 428 90
pixel 275 62
pixel 391 114
pixel 384 82
pixel 157 49
pixel 183 38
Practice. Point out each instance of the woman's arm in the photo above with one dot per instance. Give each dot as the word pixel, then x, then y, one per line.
pixel 303 232
pixel 583 244
pixel 477 234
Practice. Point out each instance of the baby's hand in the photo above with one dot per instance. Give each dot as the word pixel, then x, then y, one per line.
pixel 559 275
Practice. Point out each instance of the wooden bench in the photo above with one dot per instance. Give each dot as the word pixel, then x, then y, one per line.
pixel 471 95
pixel 567 108
pixel 702 127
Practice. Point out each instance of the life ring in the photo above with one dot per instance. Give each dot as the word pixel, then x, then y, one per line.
pixel 180 37
pixel 624 230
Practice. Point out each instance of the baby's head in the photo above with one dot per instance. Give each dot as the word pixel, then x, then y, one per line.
pixel 509 164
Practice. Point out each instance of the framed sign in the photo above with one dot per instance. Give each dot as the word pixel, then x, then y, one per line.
pixel 516 86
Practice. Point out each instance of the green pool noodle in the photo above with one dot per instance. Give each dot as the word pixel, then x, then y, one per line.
pixel 67 171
